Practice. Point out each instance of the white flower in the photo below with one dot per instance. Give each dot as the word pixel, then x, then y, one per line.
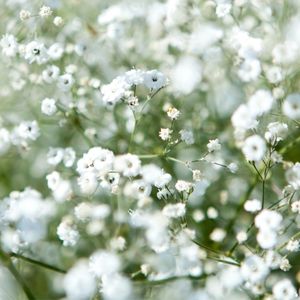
pixel 113 93
pixel 223 9
pixel 252 205
pixel 165 133
pixel 173 113
pixel 58 21
pixel 24 14
pixel 285 264
pixel 51 73
pixel 45 11
pixel 55 51
pixel 69 157
pixel 291 106
pixel 36 52
pixel 295 206
pixel 217 235
pixel 183 186
pixel 78 283
pixel 9 45
pixel 293 176
pixel 104 263
pixel 55 156
pixel 254 269
pixel 243 119
pixel 67 233
pixel 254 148
pixel 174 210
pixel 284 290
pixel 267 239
pixel 116 287
pixel 154 175
pixel 187 136
pixel 274 74
pixel 268 220
pixel 154 80
pixel 53 180
pixel 65 82
pixel 197 175
pixel 293 245
pixel 28 130
pixel 249 70
pixel 48 106
pixel 88 183
pixel 97 160
pixel 276 132
pixel 128 164
pixel 260 102
pixel 134 77
pixel 213 145
pixel 285 53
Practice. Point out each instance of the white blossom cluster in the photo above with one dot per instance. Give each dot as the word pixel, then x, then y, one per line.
pixel 150 149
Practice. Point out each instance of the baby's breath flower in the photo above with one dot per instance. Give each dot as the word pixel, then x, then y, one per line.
pixel 45 11
pixel 165 134
pixel 24 14
pixel 58 21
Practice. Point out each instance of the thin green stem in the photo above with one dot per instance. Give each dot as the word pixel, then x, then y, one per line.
pixel 38 263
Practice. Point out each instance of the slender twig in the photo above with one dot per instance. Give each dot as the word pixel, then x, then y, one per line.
pixel 38 263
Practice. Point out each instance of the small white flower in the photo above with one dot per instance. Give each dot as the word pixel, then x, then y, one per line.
pixel 253 205
pixel 295 206
pixel 51 73
pixel 291 106
pixel 174 210
pixel 267 239
pixel 67 232
pixel 260 102
pixel 254 269
pixel 128 164
pixel 104 263
pixel 48 106
pixel 268 220
pixel 183 186
pixel 254 148
pixel 55 156
pixel 55 51
pixel 65 82
pixel 79 283
pixel 24 14
pixel 284 290
pixel 187 136
pixel 223 9
pixel 285 264
pixel 154 80
pixel 173 113
pixel 293 245
pixel 293 176
pixel 213 145
pixel 9 45
pixel 45 11
pixel 276 132
pixel 58 21
pixel 36 52
pixel 88 183
pixel 165 133
pixel 249 70
pixel 197 175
